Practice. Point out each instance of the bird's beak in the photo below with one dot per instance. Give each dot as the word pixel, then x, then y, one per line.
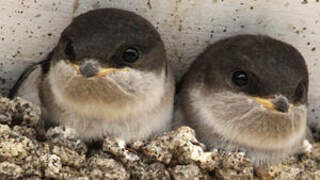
pixel 100 72
pixel 265 102
pixel 280 104
pixel 106 71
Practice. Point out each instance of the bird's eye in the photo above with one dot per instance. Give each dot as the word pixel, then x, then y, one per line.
pixel 130 55
pixel 300 92
pixel 69 50
pixel 240 78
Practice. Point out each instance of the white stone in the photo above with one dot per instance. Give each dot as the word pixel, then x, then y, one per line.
pixel 307 147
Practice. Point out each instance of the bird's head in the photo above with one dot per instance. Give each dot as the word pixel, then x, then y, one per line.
pixel 107 56
pixel 251 90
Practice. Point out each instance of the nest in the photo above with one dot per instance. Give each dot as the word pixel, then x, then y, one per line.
pixel 173 155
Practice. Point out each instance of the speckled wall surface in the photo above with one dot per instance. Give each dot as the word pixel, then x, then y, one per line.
pixel 29 29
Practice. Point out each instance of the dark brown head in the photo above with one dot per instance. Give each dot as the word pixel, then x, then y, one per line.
pixel 107 56
pixel 255 65
pixel 115 38
pixel 255 89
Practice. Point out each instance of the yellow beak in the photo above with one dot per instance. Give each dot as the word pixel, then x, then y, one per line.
pixel 106 71
pixel 268 104
pixel 102 72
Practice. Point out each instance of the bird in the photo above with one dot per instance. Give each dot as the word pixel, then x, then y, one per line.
pixel 107 76
pixel 247 93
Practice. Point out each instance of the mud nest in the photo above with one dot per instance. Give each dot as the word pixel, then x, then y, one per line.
pixel 173 155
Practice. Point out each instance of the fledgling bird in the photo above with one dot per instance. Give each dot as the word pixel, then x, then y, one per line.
pixel 249 93
pixel 108 75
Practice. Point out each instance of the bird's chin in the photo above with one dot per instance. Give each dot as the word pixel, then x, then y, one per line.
pixel 77 89
pixel 268 129
pixel 119 90
pixel 239 119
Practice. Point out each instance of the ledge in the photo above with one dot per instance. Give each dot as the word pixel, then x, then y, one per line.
pixel 173 155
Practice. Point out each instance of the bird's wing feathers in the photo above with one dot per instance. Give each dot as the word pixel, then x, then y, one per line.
pixel 27 84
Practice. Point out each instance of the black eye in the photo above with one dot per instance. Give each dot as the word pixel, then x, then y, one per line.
pixel 240 78
pixel 299 94
pixel 69 50
pixel 130 55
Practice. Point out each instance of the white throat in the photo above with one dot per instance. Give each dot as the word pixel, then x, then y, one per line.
pixel 98 119
pixel 240 120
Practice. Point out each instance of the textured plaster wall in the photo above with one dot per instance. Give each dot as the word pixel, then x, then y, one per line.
pixel 29 29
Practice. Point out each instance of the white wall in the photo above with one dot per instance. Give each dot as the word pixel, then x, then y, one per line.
pixel 29 29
